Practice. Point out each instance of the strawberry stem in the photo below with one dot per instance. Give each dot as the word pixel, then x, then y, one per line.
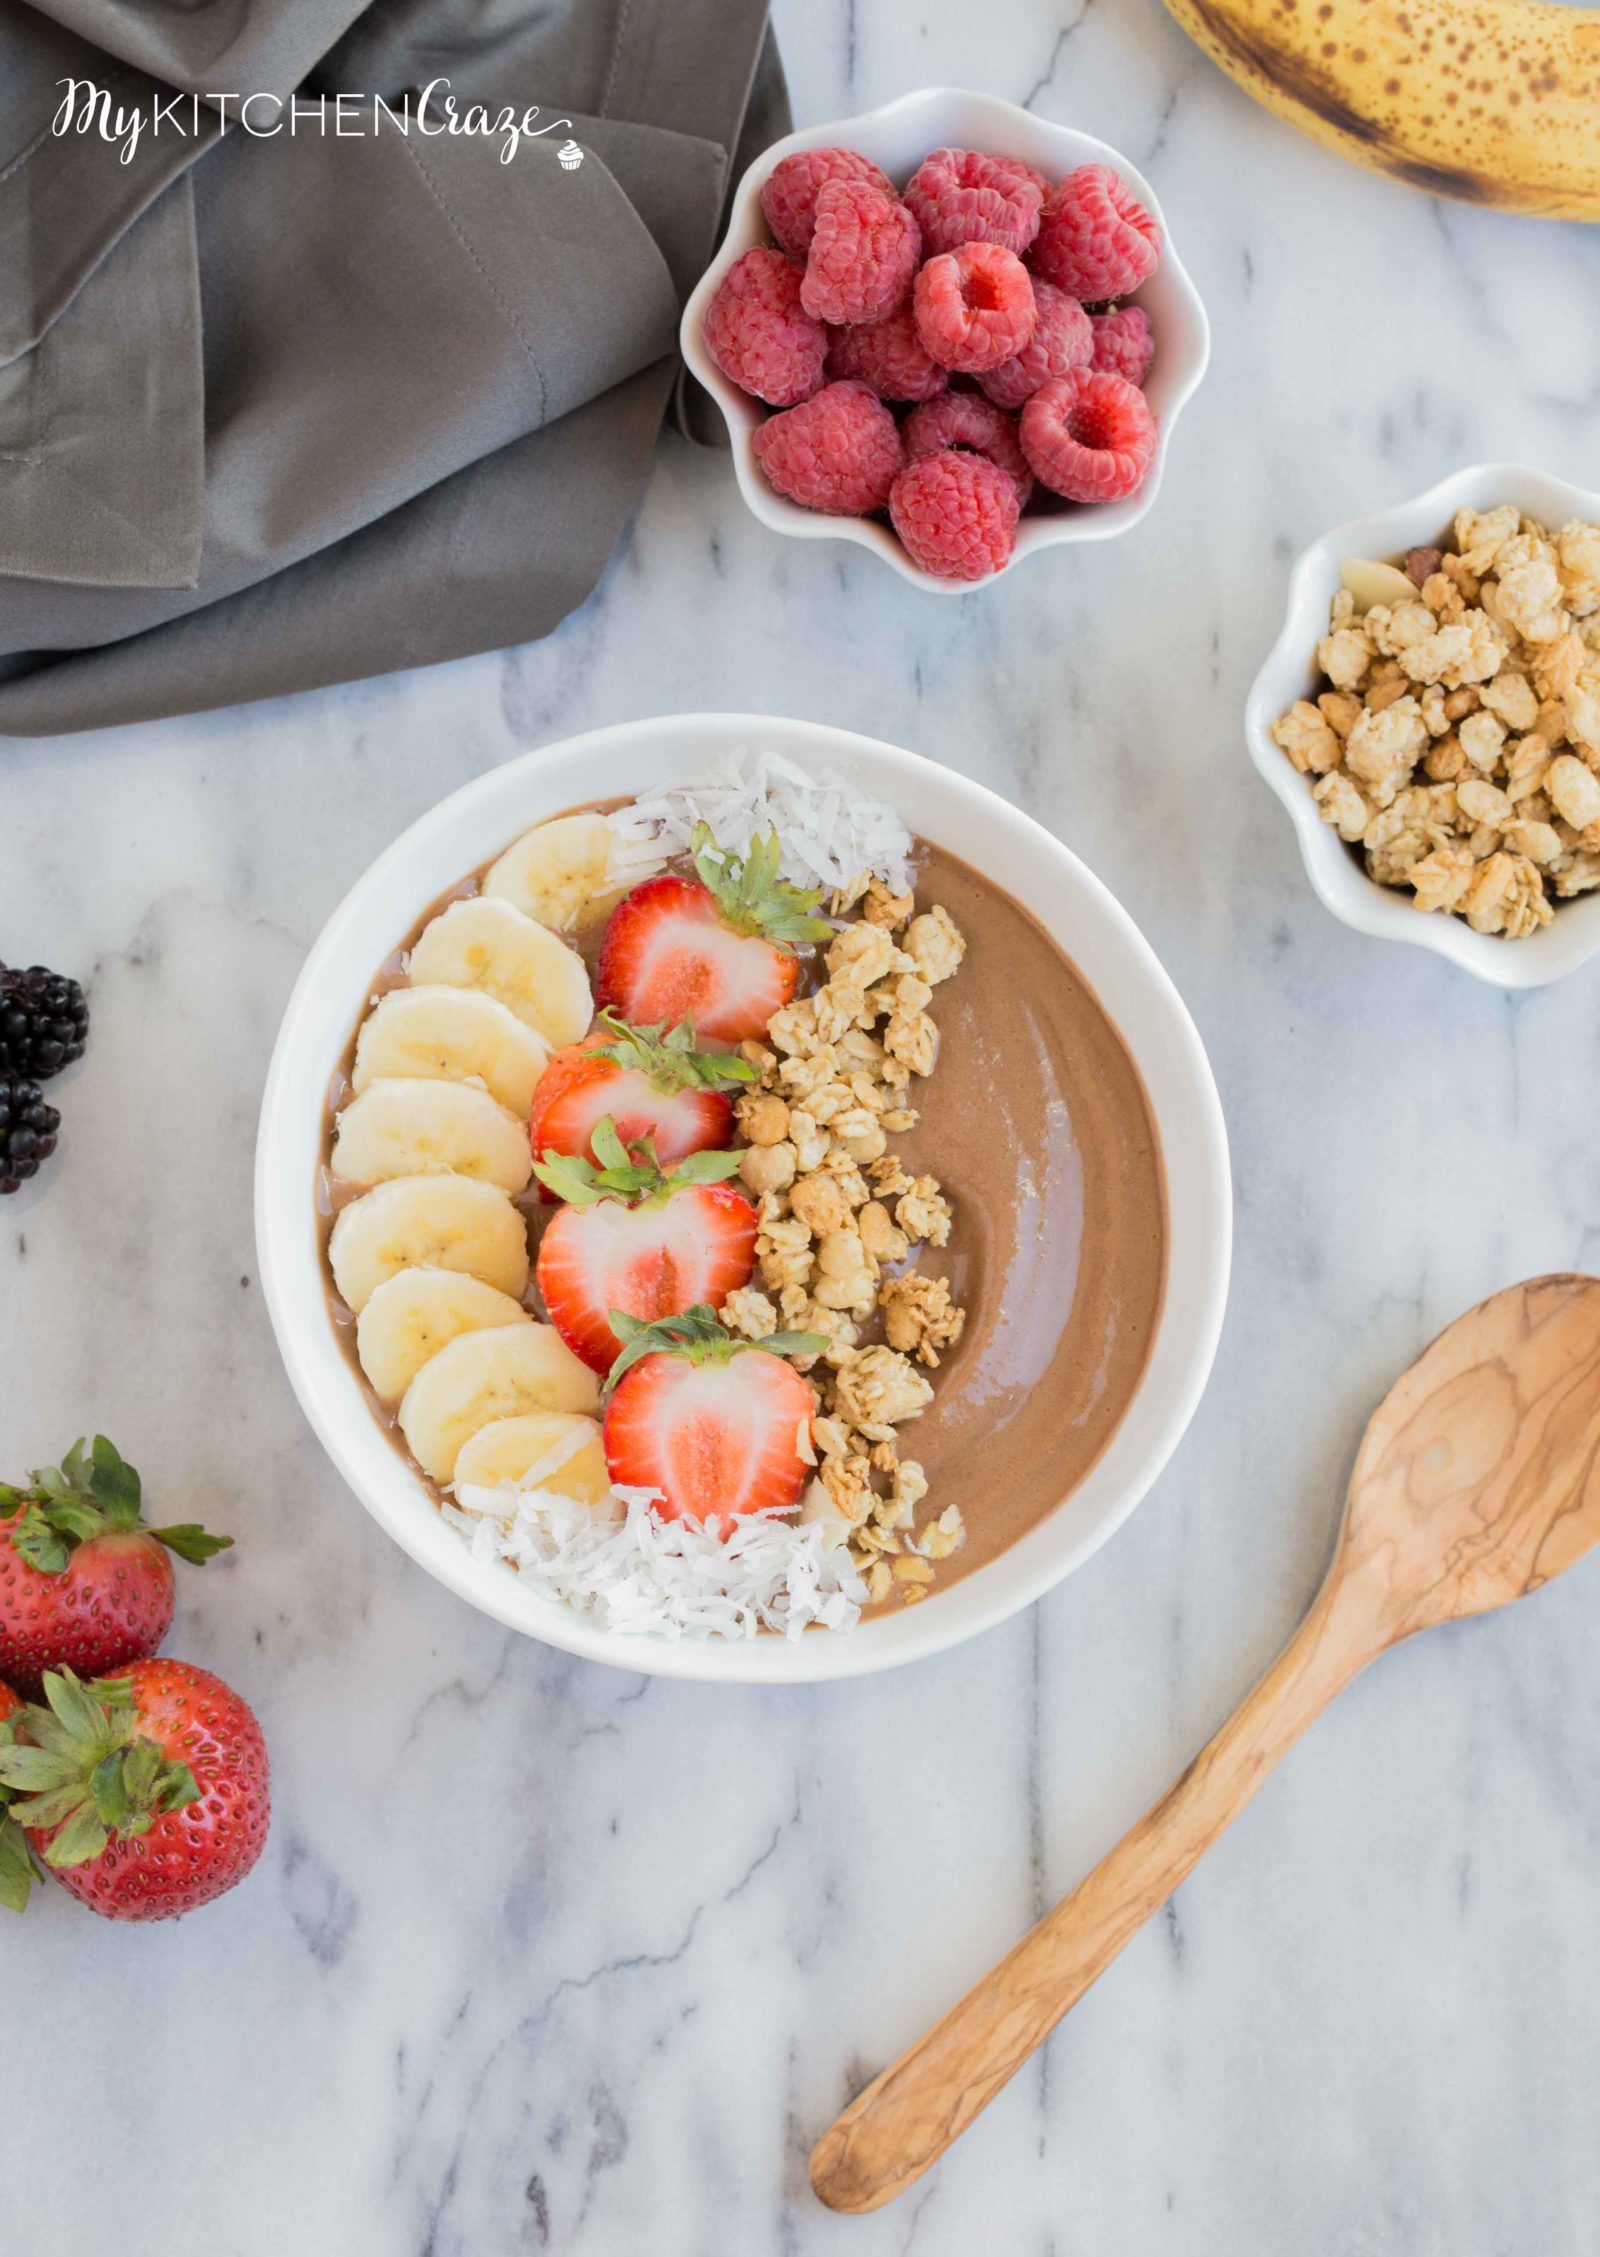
pixel 700 1335
pixel 93 1492
pixel 86 1770
pixel 752 898
pixel 668 1056
pixel 629 1174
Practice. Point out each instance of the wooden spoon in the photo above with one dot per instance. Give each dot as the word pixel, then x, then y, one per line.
pixel 1476 1481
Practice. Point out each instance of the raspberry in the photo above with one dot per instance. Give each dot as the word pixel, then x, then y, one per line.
pixel 1062 339
pixel 789 198
pixel 1089 436
pixel 1123 345
pixel 961 196
pixel 974 306
pixel 888 355
pixel 1094 241
pixel 839 452
pixel 957 515
pixel 968 421
pixel 759 334
pixel 864 253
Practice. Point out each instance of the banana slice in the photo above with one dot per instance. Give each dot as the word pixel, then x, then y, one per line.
pixel 430 1128
pixel 414 1314
pixel 489 944
pixel 439 1222
pixel 557 873
pixel 451 1034
pixel 560 1451
pixel 497 1374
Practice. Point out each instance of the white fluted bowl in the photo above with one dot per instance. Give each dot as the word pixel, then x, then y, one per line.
pixel 1335 870
pixel 897 138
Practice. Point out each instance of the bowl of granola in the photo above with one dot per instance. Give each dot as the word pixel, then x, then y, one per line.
pixel 737 1200
pixel 1430 718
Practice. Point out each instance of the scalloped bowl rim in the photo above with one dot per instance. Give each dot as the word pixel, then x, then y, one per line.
pixel 969 118
pixel 1288 672
pixel 475 822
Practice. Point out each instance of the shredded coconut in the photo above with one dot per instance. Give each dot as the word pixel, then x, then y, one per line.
pixel 629 1569
pixel 830 831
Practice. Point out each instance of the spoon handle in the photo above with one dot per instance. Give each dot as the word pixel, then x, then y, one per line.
pixel 912 2111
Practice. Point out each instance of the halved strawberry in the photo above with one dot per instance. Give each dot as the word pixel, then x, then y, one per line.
pixel 718 949
pixel 637 1238
pixel 651 1080
pixel 716 1425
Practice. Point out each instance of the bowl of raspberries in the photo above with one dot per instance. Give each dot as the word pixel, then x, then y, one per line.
pixel 950 332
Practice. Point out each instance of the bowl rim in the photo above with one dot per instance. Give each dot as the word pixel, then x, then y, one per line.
pixel 746 227
pixel 334 977
pixel 1338 881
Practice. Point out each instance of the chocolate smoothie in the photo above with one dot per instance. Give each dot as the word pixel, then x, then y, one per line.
pixel 1036 1123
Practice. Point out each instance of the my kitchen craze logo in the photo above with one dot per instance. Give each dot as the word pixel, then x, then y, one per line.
pixel 88 110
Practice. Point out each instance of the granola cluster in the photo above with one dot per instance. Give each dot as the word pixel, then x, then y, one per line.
pixel 841 1220
pixel 1458 740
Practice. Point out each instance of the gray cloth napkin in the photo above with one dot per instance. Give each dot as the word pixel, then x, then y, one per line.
pixel 278 412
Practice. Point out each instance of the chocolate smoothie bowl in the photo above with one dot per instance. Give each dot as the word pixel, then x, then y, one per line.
pixel 761 1210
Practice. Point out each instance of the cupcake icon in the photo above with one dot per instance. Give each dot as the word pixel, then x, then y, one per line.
pixel 569 156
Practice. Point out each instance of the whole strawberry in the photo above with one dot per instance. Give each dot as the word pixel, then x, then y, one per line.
pixel 17 1869
pixel 146 1794
pixel 84 1584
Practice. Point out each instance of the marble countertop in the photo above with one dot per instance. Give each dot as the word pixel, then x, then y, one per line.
pixel 545 1957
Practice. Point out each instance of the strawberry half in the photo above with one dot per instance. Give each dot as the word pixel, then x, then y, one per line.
pixel 84 1584
pixel 146 1794
pixel 653 1083
pixel 714 1424
pixel 718 949
pixel 637 1238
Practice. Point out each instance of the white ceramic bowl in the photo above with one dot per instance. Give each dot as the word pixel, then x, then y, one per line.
pixel 464 831
pixel 1290 672
pixel 897 138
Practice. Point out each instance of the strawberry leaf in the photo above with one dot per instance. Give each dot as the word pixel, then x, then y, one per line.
pixel 17 1869
pixel 752 898
pixel 631 1175
pixel 113 1484
pixel 192 1542
pixel 669 1058
pixel 82 1837
pixel 93 1490
pixel 705 1167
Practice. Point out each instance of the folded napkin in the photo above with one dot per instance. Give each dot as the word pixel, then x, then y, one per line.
pixel 283 408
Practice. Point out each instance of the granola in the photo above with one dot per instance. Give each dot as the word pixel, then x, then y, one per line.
pixel 843 1226
pixel 1457 742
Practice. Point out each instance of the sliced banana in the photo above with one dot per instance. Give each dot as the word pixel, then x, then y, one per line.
pixel 439 1222
pixel 451 1034
pixel 558 872
pixel 429 1128
pixel 481 1376
pixel 545 1449
pixel 414 1314
pixel 488 943
pixel 1371 581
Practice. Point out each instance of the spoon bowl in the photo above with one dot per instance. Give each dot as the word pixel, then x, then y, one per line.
pixel 1477 1480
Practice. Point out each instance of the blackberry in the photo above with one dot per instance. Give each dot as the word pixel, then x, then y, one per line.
pixel 27 1130
pixel 44 1022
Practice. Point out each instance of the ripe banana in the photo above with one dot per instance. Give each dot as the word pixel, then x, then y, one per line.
pixel 1493 101
pixel 442 1222
pixel 451 1034
pixel 557 873
pixel 414 1314
pixel 423 1128
pixel 561 1451
pixel 487 943
pixel 495 1374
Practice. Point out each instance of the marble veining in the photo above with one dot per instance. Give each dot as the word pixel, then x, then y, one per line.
pixel 546 1957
